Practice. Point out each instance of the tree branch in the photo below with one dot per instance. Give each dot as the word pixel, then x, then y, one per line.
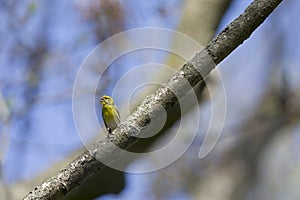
pixel 163 99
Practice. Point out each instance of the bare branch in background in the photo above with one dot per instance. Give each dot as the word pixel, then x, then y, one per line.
pixel 4 142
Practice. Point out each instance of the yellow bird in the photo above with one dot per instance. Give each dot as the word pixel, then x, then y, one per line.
pixel 110 113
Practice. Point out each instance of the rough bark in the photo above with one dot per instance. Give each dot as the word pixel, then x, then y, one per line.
pixel 165 97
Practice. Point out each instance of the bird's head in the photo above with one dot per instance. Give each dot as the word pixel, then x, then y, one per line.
pixel 106 100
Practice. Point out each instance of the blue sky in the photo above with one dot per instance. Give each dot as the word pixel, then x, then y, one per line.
pixel 52 135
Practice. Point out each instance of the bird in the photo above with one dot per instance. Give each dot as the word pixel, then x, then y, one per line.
pixel 110 113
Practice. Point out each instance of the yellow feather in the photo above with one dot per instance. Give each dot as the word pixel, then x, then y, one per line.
pixel 110 113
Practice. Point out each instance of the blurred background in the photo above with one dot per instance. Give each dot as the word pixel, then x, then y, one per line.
pixel 43 44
